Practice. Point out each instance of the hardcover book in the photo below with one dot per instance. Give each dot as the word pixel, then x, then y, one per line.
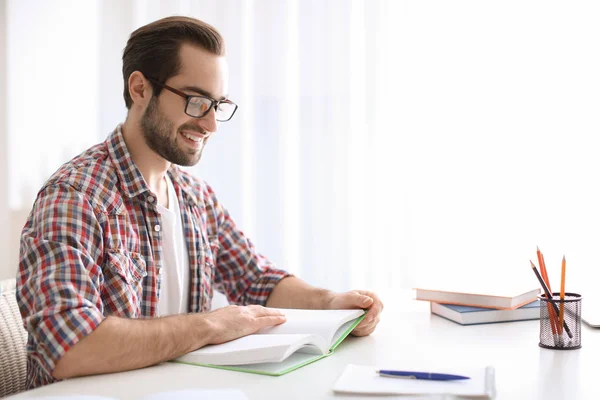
pixel 507 299
pixel 466 315
pixel 305 337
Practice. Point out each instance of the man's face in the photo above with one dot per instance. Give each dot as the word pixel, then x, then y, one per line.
pixel 167 129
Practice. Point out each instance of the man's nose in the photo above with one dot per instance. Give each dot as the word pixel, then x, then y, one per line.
pixel 209 122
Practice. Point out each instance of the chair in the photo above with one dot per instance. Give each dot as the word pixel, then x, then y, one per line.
pixel 13 340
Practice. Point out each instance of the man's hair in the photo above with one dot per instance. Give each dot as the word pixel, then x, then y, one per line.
pixel 153 49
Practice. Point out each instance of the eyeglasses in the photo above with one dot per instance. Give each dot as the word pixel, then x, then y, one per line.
pixel 199 106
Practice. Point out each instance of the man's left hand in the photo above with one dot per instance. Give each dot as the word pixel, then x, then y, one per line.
pixel 359 299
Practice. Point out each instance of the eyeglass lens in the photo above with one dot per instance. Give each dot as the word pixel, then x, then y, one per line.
pixel 199 106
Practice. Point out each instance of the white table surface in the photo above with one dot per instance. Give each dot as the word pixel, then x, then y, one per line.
pixel 407 333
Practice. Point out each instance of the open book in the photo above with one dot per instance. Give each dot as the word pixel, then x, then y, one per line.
pixel 305 337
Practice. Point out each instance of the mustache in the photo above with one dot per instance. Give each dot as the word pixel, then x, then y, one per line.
pixel 193 128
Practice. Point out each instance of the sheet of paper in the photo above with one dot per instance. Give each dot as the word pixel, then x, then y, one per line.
pixel 365 380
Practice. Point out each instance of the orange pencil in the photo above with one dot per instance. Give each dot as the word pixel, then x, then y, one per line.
pixel 561 314
pixel 553 321
pixel 548 296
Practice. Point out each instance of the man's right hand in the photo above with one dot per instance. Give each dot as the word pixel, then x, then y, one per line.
pixel 121 344
pixel 233 322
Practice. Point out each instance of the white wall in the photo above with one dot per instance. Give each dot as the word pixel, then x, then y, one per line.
pixel 52 63
pixel 435 141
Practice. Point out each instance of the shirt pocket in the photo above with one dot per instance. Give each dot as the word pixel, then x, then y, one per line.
pixel 211 252
pixel 213 249
pixel 124 275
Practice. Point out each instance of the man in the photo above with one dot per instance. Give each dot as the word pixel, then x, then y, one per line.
pixel 122 250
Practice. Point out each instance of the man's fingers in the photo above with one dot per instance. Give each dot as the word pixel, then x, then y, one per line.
pixel 376 306
pixel 263 311
pixel 357 299
pixel 364 329
pixel 268 316
pixel 366 301
pixel 271 320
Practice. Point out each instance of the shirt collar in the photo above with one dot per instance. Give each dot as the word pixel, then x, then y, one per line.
pixel 132 180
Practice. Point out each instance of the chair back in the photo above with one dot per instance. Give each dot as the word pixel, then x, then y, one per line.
pixel 13 341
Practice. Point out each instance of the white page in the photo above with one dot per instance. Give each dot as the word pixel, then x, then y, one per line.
pixel 254 349
pixel 365 380
pixel 324 323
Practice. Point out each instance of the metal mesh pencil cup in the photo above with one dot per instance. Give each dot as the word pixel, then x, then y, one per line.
pixel 553 335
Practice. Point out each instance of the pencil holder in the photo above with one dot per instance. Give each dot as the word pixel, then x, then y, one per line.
pixel 553 334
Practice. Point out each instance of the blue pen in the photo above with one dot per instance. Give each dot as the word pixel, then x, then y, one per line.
pixel 432 376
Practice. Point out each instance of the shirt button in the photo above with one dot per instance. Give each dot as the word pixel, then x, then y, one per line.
pixel 160 271
pixel 150 199
pixel 157 228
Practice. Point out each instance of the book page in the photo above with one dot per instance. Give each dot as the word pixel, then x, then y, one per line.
pixel 324 323
pixel 340 332
pixel 256 349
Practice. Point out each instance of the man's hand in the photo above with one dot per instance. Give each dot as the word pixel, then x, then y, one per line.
pixel 359 299
pixel 233 322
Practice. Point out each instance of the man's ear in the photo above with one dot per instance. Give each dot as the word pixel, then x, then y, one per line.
pixel 139 89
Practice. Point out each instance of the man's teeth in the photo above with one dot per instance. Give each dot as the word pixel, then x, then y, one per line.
pixel 194 138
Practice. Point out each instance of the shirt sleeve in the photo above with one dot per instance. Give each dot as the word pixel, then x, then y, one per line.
pixel 242 274
pixel 59 275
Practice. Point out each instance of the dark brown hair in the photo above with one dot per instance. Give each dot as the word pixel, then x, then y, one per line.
pixel 153 49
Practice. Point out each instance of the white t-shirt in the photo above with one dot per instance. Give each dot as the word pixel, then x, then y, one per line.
pixel 175 278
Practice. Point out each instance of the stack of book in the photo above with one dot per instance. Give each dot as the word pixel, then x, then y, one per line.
pixel 485 307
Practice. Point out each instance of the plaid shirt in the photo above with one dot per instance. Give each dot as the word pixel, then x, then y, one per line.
pixel 91 247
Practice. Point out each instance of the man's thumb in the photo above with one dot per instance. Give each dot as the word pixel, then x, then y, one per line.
pixel 360 300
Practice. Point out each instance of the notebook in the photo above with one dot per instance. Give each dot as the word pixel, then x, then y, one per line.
pixel 466 315
pixel 362 379
pixel 479 296
pixel 305 337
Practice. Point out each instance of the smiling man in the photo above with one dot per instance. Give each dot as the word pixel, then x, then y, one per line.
pixel 122 250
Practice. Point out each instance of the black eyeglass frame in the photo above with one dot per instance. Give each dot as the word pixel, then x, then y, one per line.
pixel 213 103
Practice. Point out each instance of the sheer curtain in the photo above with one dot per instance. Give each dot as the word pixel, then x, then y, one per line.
pixel 379 144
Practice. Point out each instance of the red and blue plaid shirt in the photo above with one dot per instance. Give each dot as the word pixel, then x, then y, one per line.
pixel 91 248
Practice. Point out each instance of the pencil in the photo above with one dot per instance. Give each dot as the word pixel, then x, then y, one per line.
pixel 553 321
pixel 561 315
pixel 549 297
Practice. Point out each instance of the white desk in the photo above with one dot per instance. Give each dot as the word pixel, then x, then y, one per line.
pixel 523 369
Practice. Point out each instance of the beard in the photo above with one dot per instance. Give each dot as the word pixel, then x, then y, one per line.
pixel 157 131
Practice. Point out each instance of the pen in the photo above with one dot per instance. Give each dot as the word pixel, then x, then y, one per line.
pixel 432 376
pixel 549 298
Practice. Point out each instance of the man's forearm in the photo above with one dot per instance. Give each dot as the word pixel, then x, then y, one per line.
pixel 292 292
pixel 120 344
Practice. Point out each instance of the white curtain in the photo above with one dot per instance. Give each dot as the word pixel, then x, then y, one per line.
pixel 379 144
